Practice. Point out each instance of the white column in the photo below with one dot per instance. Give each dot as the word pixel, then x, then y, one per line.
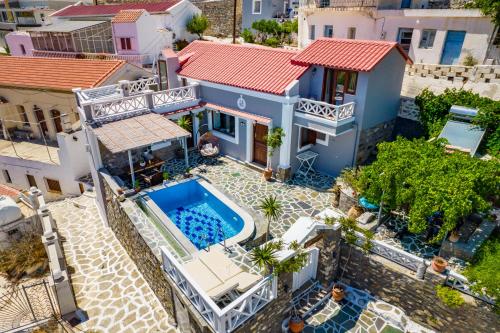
pixel 269 161
pixel 286 125
pixel 131 164
pixel 196 126
pixel 209 120
pixel 184 143
pixel 249 152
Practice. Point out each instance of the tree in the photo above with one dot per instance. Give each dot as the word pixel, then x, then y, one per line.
pixel 265 256
pixel 420 178
pixel 197 25
pixel 488 8
pixel 266 29
pixel 272 210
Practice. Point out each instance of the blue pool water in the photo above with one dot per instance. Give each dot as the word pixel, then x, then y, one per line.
pixel 201 217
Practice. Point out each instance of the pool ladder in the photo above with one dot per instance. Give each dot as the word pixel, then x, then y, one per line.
pixel 221 232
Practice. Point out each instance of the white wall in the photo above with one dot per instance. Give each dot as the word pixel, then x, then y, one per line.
pixel 179 16
pixel 370 26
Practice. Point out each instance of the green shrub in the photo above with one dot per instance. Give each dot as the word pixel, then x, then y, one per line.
pixel 180 44
pixel 450 297
pixel 197 25
pixel 247 36
pixel 484 271
pixel 272 42
pixel 469 60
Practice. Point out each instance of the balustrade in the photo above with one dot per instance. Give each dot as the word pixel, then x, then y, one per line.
pixel 325 110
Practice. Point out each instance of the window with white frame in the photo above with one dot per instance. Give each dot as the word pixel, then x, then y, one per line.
pixel 125 43
pixel 427 38
pixel 312 32
pixel 256 6
pixel 309 137
pixel 224 123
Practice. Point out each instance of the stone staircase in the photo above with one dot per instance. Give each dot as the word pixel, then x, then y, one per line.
pixel 311 297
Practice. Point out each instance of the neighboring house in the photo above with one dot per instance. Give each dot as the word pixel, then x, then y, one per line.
pixel 334 100
pixel 133 32
pixel 429 31
pixel 41 143
pixel 20 14
pixel 254 10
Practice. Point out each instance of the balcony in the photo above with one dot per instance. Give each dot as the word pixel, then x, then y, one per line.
pixel 326 111
pixel 339 4
pixel 135 59
pixel 133 98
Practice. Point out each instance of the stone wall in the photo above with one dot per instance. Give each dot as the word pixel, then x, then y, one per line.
pixel 408 109
pixel 146 261
pixel 370 137
pixel 456 73
pixel 398 286
pixel 220 15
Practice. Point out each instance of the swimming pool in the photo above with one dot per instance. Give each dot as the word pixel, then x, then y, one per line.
pixel 203 215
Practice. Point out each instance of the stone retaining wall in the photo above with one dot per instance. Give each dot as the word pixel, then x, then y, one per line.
pixel 398 286
pixel 370 137
pixel 408 109
pixel 456 73
pixel 220 15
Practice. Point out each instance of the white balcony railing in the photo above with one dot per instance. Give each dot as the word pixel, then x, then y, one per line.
pixel 139 86
pixel 338 3
pixel 234 314
pixel 123 106
pixel 174 96
pixel 325 110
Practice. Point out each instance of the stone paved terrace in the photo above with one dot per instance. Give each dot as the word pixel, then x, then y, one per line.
pixel 302 196
pixel 107 283
pixel 359 312
pixel 30 151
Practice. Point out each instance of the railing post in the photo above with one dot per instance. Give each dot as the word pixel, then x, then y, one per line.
pixel 148 95
pixel 124 86
pixel 195 89
pixel 88 110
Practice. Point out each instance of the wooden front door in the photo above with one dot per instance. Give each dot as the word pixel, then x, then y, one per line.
pixel 41 120
pixel 259 144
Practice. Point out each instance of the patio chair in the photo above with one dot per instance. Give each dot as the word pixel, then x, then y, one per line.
pixel 208 145
pixel 153 177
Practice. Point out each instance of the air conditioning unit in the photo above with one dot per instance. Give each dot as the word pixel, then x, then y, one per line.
pixel 382 34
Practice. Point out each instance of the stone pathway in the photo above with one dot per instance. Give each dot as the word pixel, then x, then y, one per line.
pixel 361 313
pixel 301 196
pixel 107 284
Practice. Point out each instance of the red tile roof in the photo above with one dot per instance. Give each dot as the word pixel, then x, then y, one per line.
pixel 127 16
pixel 55 73
pixel 110 10
pixel 8 191
pixel 356 55
pixel 250 67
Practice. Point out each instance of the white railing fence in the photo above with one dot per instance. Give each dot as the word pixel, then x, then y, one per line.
pixel 173 96
pixel 136 59
pixel 233 315
pixel 120 107
pixel 325 110
pixel 138 86
pixel 412 262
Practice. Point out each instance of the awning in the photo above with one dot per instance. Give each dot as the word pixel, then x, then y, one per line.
pixel 239 114
pixel 462 136
pixel 138 132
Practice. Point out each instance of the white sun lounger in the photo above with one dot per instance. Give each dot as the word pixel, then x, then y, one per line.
pixel 207 280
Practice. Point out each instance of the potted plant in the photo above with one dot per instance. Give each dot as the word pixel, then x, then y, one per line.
pixel 336 195
pixel 355 211
pixel 296 323
pixel 142 162
pixel 183 122
pixel 264 256
pixel 454 236
pixel 166 177
pixel 439 264
pixel 137 185
pixel 338 292
pixel 271 208
pixel 274 140
pixel 187 173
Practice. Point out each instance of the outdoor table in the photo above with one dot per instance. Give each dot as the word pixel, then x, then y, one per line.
pixel 306 160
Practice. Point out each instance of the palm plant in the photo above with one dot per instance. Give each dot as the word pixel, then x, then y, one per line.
pixel 184 123
pixel 271 208
pixel 265 256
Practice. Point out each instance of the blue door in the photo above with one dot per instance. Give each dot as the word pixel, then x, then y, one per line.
pixel 452 47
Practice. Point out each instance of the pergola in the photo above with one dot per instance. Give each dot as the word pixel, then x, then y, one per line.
pixel 138 132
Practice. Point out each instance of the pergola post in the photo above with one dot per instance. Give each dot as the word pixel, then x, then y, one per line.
pixel 184 143
pixel 131 163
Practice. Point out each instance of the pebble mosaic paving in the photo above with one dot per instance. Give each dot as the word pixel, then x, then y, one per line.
pixel 107 283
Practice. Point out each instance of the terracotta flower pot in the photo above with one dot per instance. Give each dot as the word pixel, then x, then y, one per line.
pixel 268 173
pixel 355 212
pixel 296 324
pixel 439 264
pixel 338 293
pixel 454 236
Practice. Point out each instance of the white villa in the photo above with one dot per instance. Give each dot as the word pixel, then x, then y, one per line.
pixel 431 32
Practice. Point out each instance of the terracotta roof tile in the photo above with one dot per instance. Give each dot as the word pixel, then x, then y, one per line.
pixel 55 73
pixel 8 191
pixel 257 68
pixel 110 10
pixel 350 54
pixel 128 16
